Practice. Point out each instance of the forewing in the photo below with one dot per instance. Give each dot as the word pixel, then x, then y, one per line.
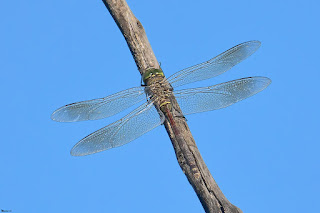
pixel 214 66
pixel 219 96
pixel 125 130
pixel 99 108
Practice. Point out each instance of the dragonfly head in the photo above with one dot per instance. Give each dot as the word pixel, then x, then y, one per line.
pixel 152 73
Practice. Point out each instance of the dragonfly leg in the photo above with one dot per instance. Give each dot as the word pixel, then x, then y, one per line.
pixel 142 83
pixel 177 113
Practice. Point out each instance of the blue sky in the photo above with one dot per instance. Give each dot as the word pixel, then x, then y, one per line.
pixel 263 152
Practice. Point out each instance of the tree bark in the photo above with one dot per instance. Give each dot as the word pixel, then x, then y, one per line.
pixel 187 153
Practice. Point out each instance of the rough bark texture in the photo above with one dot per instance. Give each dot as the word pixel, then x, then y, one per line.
pixel 187 153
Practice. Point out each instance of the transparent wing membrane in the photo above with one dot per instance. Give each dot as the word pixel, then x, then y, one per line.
pixel 99 108
pixel 219 96
pixel 215 66
pixel 125 130
pixel 146 117
pixel 113 104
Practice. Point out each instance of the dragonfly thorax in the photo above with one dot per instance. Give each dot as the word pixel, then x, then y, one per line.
pixel 158 88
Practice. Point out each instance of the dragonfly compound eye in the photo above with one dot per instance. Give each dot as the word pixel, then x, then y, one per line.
pixel 151 73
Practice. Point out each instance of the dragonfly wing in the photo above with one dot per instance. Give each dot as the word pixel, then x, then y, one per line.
pixel 219 96
pixel 214 66
pixel 125 130
pixel 99 108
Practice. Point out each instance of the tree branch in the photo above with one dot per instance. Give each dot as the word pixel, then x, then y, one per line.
pixel 187 153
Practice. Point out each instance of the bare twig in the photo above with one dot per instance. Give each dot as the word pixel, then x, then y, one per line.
pixel 187 153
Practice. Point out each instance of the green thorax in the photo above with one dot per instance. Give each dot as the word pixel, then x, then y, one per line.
pixel 151 73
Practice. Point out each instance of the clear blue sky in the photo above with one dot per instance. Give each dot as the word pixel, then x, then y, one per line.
pixel 263 152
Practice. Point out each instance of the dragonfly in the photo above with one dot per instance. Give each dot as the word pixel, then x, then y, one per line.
pixel 157 94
